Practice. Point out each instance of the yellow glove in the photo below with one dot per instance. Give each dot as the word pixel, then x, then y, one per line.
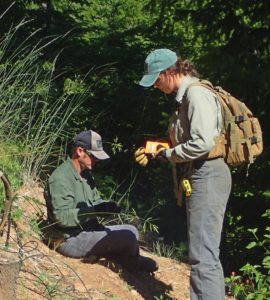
pixel 140 157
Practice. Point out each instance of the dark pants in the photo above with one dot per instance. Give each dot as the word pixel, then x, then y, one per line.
pixel 113 240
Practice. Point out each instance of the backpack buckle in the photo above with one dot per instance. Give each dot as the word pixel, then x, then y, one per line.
pixel 239 119
pixel 253 140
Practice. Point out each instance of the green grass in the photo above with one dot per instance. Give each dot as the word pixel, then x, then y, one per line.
pixel 34 112
pixel 178 252
pixel 11 166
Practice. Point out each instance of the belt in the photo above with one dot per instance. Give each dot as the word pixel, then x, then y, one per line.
pixel 207 159
pixel 199 162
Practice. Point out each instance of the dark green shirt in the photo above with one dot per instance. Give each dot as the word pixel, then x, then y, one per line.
pixel 68 193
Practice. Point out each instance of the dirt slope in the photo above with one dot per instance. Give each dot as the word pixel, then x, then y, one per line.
pixel 47 275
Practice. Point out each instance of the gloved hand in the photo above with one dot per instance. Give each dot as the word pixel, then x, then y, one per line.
pixel 161 151
pixel 141 157
pixel 107 207
pixel 85 212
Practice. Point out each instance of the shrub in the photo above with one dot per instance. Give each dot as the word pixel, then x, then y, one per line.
pixel 254 281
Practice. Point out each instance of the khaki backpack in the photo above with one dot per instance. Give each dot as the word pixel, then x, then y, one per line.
pixel 241 140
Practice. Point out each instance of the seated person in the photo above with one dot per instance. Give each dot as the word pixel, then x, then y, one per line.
pixel 73 205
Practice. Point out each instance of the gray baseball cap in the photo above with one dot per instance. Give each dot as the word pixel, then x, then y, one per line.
pixel 91 141
pixel 156 62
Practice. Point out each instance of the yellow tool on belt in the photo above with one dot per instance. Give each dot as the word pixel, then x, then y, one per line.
pixel 186 187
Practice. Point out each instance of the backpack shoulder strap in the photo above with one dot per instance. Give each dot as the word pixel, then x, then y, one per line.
pixel 208 85
pixel 205 83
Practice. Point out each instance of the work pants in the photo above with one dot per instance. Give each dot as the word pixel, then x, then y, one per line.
pixel 211 184
pixel 109 241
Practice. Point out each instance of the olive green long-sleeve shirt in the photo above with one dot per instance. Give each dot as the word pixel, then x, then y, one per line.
pixel 68 193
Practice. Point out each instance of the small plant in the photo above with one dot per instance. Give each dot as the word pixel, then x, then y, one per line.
pixel 116 146
pixel 35 226
pixel 254 283
pixel 17 213
pixel 49 283
pixel 171 251
pixel 162 249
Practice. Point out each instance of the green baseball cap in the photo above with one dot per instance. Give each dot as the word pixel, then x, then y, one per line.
pixel 156 62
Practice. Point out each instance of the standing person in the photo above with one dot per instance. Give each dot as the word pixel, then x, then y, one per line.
pixel 194 130
pixel 73 205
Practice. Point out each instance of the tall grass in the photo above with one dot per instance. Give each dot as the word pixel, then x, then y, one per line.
pixel 33 112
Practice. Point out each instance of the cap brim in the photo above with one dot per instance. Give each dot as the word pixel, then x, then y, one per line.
pixel 100 154
pixel 149 79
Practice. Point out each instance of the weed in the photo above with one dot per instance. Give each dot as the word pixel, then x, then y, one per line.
pixel 35 226
pixel 17 213
pixel 254 282
pixel 50 283
pixel 162 249
pixel 170 251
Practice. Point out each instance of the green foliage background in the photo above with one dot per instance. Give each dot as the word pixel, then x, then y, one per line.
pixel 100 47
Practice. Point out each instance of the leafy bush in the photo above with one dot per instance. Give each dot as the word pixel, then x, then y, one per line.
pixel 254 283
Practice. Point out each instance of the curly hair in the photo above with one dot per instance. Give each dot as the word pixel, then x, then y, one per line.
pixel 185 67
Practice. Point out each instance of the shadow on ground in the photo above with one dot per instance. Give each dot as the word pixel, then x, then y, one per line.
pixel 147 285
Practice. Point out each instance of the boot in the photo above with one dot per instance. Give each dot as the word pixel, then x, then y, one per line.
pixel 147 264
pixel 137 263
